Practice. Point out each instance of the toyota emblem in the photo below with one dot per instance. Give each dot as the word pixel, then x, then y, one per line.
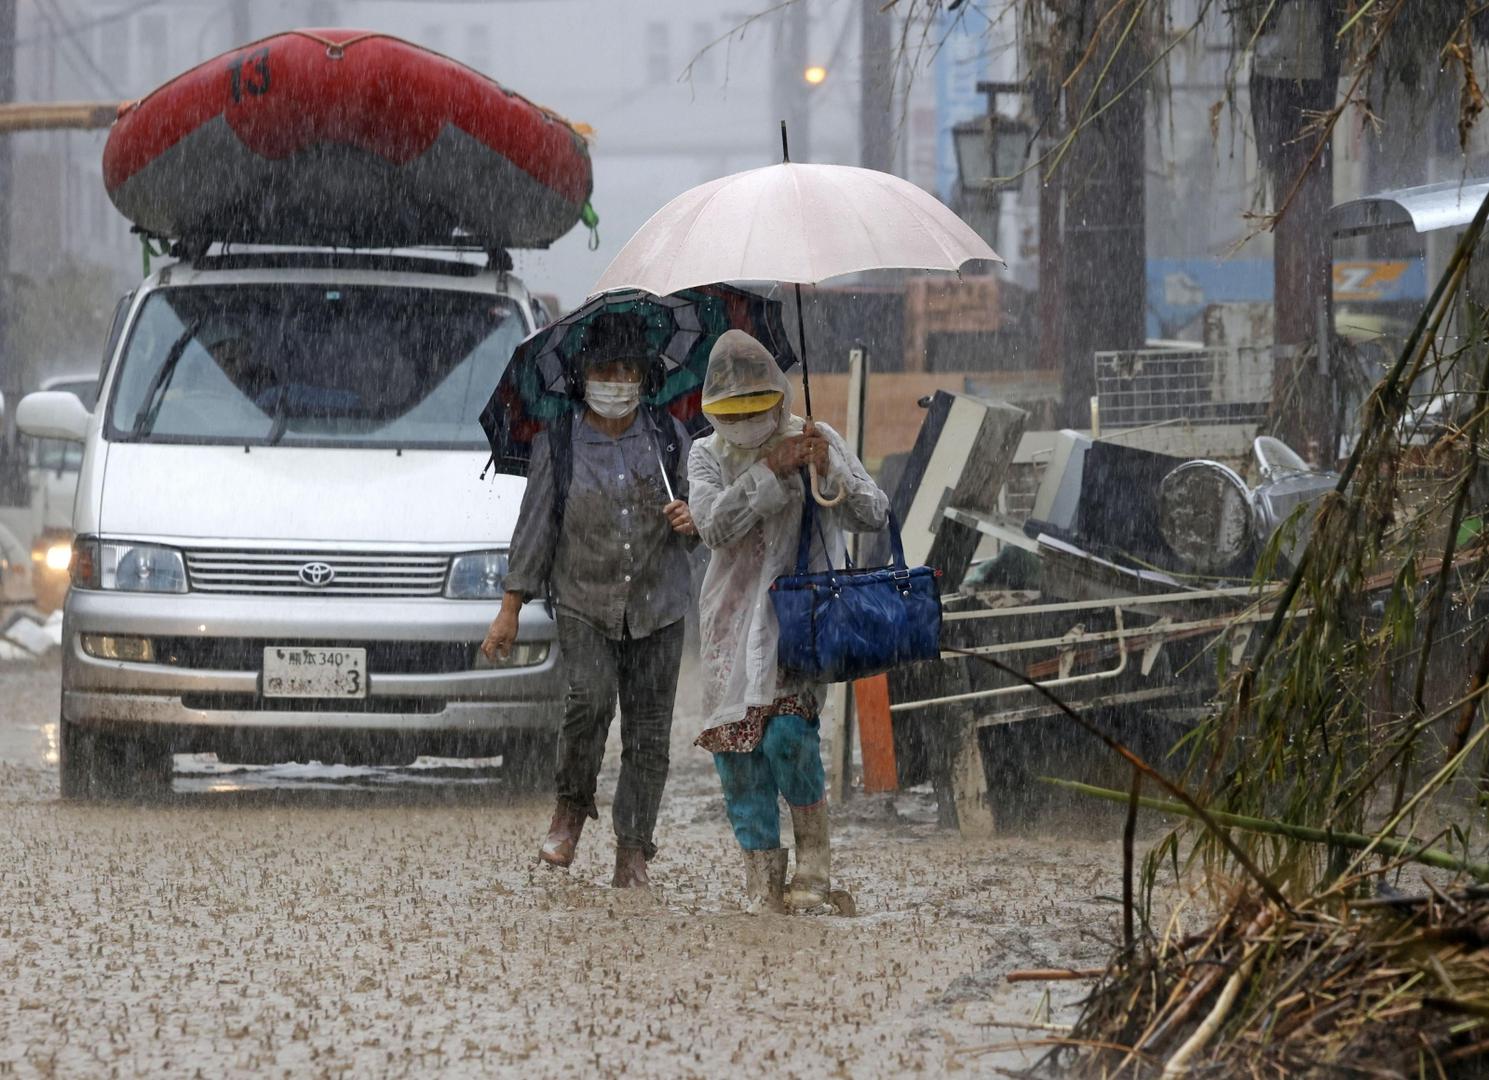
pixel 317 574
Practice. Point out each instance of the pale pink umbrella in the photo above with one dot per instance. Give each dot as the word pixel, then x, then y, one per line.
pixel 793 223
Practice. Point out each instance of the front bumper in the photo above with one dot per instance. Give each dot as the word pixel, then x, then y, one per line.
pixel 98 692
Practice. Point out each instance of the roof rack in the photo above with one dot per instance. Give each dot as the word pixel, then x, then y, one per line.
pixel 426 258
pixel 193 248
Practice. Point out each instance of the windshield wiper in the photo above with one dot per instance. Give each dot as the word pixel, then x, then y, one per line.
pixel 144 420
pixel 281 415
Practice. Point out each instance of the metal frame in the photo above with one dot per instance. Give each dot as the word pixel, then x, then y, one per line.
pixel 1144 387
pixel 1151 637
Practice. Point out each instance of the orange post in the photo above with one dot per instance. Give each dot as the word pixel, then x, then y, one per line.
pixel 875 734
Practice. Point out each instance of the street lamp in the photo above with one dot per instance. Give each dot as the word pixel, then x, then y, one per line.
pixel 990 151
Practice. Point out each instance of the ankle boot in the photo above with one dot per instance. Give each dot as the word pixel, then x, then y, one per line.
pixel 630 869
pixel 765 880
pixel 563 836
pixel 810 884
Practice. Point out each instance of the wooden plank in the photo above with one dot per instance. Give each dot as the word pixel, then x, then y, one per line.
pixel 974 819
pixel 56 115
pixel 875 734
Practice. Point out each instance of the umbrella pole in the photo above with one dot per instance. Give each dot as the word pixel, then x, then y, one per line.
pixel 806 377
pixel 801 347
pixel 806 394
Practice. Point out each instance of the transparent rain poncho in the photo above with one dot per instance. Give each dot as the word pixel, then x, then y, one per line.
pixel 750 519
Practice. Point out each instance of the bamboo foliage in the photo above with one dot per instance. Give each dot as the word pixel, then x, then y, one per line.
pixel 1349 746
pixel 1306 734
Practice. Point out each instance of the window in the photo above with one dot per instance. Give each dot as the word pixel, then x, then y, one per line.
pixel 658 53
pixel 703 62
pixel 155 51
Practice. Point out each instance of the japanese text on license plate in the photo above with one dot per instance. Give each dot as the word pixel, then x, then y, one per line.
pixel 301 672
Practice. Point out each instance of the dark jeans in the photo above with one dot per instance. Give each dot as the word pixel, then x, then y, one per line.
pixel 642 673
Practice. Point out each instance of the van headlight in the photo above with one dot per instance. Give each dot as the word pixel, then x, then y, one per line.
pixel 126 567
pixel 477 576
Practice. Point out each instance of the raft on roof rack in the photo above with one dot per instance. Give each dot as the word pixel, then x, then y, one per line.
pixel 345 137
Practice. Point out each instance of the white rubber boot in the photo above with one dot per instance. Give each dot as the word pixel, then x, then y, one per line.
pixel 811 886
pixel 765 880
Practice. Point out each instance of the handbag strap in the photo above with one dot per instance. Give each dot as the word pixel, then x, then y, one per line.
pixel 809 516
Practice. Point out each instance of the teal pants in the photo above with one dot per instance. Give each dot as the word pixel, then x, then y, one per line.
pixel 786 764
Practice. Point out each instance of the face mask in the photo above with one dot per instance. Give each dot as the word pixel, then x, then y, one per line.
pixel 612 400
pixel 752 432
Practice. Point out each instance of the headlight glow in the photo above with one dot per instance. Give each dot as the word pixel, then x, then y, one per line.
pixel 58 557
pixel 477 576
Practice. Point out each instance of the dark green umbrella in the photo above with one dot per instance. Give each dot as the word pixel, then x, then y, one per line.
pixel 545 378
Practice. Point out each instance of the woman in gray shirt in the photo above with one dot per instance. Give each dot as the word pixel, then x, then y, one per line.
pixel 598 531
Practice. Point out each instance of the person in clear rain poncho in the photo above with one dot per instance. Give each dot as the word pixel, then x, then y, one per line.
pixel 745 492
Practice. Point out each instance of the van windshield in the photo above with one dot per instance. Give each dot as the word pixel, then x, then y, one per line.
pixel 313 365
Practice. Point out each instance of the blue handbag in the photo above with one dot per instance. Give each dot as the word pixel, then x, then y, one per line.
pixel 839 625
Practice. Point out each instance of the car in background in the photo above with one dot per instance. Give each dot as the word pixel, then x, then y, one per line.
pixel 52 466
pixel 286 547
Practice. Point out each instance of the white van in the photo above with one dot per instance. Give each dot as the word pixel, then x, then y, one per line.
pixel 285 548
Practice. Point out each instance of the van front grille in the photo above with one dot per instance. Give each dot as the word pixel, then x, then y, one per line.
pixel 331 573
pixel 383 657
pixel 230 702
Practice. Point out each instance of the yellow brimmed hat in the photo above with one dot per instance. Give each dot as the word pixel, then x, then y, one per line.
pixel 744 403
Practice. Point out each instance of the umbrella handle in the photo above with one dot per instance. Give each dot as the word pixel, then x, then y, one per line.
pixel 824 500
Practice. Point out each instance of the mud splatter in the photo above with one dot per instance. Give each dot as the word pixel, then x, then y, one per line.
pixel 386 929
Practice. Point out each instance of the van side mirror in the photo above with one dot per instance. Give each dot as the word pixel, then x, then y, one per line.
pixel 53 414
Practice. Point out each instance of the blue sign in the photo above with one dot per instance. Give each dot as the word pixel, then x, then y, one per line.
pixel 1179 290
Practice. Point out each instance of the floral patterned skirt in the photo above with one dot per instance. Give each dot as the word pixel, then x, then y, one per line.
pixel 742 736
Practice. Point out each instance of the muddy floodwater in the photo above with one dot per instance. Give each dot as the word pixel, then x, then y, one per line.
pixel 323 922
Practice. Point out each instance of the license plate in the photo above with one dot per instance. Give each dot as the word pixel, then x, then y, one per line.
pixel 299 672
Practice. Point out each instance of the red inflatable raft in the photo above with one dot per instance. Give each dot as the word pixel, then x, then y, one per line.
pixel 345 137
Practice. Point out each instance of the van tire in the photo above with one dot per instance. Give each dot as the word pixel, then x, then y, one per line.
pixel 108 765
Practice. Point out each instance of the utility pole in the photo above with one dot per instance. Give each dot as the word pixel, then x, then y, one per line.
pixel 788 82
pixel 1049 105
pixel 1299 81
pixel 1103 261
pixel 10 368
pixel 876 86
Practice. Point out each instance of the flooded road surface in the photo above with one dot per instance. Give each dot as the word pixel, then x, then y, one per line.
pixel 367 922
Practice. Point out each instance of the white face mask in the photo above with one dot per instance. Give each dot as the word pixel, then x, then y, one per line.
pixel 612 400
pixel 752 432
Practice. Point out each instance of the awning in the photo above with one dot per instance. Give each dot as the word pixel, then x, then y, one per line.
pixel 1428 208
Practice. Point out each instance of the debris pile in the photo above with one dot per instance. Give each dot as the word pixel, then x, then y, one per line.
pixel 1395 985
pixel 26 635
